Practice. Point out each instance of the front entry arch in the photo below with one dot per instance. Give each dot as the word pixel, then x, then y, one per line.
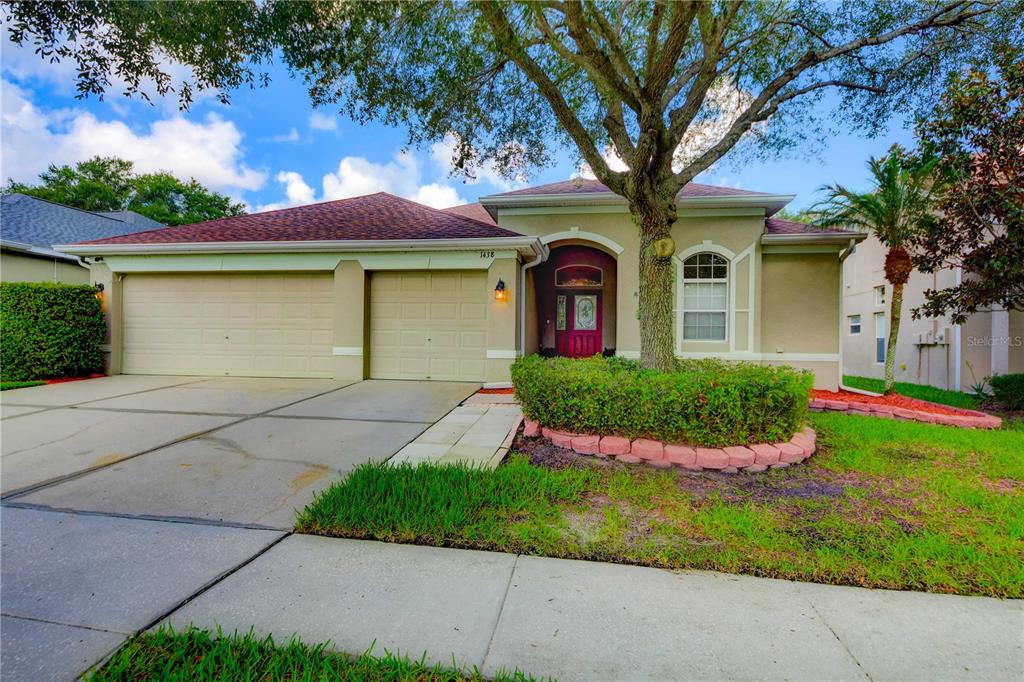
pixel 576 302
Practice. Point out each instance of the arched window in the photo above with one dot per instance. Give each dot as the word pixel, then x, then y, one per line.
pixel 705 297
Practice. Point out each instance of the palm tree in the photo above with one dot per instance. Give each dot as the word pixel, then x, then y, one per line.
pixel 897 207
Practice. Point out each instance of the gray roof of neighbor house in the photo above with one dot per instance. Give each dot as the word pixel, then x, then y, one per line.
pixel 34 225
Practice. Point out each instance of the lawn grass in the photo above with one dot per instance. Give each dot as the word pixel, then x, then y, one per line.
pixel 884 503
pixel 11 385
pixel 200 655
pixel 920 391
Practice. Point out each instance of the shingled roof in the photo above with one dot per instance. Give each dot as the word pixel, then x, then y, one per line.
pixel 29 221
pixel 474 211
pixel 780 226
pixel 587 186
pixel 379 216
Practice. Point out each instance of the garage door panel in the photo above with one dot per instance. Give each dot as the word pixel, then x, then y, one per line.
pixel 229 324
pixel 428 325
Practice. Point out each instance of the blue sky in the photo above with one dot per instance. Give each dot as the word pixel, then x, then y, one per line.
pixel 270 148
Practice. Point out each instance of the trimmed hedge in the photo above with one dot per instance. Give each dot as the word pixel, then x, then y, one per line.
pixel 703 402
pixel 49 330
pixel 1009 390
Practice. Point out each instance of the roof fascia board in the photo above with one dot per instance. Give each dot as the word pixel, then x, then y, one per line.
pixel 524 244
pixel 770 202
pixel 774 240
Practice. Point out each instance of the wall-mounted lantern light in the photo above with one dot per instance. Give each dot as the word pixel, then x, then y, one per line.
pixel 500 294
pixel 99 290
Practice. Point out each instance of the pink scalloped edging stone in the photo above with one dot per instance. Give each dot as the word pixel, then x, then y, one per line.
pixel 680 454
pixel 531 429
pixel 648 449
pixel 754 458
pixel 615 445
pixel 739 456
pixel 712 458
pixel 586 445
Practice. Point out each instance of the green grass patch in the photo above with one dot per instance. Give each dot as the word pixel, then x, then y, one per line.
pixel 11 385
pixel 884 503
pixel 921 392
pixel 200 655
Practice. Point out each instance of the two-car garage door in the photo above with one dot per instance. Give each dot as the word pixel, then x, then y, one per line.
pixel 258 324
pixel 423 325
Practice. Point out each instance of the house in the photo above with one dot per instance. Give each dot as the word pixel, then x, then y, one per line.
pixel 382 287
pixel 931 350
pixel 30 226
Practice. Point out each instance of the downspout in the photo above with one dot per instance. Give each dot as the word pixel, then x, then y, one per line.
pixel 956 339
pixel 541 257
pixel 843 255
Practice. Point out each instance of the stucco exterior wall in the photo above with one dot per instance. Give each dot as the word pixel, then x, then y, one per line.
pixel 17 267
pixel 801 290
pixel 928 349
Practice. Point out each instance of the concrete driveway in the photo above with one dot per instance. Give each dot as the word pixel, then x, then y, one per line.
pixel 125 496
pixel 238 451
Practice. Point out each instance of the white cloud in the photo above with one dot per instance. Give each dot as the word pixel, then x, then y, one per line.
pixel 321 121
pixel 356 176
pixel 208 150
pixel 291 136
pixel 443 153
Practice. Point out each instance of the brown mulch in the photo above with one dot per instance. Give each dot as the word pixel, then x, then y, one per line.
pixel 891 400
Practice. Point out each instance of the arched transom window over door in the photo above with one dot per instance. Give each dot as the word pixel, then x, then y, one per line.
pixel 705 297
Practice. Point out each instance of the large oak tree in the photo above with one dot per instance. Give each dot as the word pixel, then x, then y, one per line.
pixel 668 87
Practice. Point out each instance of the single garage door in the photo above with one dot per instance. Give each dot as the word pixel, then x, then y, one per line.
pixel 428 325
pixel 259 324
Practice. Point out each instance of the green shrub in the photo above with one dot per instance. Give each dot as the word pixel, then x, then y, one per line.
pixel 1009 390
pixel 703 402
pixel 49 330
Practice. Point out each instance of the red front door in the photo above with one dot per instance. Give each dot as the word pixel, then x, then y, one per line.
pixel 578 324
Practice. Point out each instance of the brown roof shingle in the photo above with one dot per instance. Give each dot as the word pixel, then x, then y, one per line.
pixel 780 226
pixel 474 211
pixel 374 216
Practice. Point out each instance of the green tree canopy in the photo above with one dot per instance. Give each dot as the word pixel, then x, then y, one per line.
pixel 975 136
pixel 111 184
pixel 668 87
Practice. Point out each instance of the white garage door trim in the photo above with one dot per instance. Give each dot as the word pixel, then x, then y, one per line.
pixel 229 324
pixel 428 325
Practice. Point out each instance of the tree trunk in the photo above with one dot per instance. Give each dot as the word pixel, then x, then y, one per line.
pixel 656 297
pixel 895 307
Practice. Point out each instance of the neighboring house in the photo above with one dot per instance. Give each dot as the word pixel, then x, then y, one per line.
pixel 930 350
pixel 29 227
pixel 383 287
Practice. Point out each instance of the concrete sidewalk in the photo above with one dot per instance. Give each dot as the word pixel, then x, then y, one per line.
pixel 576 620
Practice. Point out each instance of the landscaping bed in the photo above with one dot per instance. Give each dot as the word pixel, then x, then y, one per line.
pixel 201 655
pixel 883 503
pixel 901 407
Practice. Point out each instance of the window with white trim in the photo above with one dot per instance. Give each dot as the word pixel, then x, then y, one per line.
pixel 705 297
pixel 854 324
pixel 880 295
pixel 880 337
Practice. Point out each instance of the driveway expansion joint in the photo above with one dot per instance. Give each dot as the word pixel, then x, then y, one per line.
pixel 501 609
pixel 67 625
pixel 187 520
pixel 84 472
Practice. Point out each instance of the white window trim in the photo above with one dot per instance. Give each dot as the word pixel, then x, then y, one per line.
pixel 874 293
pixel 884 336
pixel 729 256
pixel 849 325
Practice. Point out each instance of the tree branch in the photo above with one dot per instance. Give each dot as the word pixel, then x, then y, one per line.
pixel 506 41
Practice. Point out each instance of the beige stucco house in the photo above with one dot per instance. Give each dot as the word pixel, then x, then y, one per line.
pixel 931 350
pixel 383 287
